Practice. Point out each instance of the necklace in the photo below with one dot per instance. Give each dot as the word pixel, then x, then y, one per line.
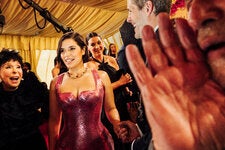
pixel 77 75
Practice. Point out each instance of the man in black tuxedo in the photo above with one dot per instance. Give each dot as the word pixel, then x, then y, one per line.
pixel 141 134
pixel 141 13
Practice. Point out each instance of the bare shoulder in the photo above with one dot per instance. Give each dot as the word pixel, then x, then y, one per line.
pixel 104 78
pixel 91 64
pixel 102 74
pixel 110 58
pixel 54 81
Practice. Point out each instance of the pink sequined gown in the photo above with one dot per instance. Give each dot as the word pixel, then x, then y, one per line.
pixel 83 129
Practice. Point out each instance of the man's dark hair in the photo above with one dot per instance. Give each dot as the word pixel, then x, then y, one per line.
pixel 159 5
pixel 27 64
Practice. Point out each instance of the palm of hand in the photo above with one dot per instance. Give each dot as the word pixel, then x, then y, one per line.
pixel 183 106
pixel 172 94
pixel 191 106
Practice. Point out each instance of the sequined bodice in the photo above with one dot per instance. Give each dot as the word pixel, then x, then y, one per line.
pixel 82 128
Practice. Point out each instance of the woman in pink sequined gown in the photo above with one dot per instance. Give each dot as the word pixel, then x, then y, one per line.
pixel 78 97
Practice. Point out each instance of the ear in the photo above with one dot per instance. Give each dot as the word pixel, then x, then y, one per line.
pixel 83 50
pixel 149 7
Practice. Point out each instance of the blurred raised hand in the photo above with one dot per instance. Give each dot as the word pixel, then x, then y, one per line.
pixel 184 106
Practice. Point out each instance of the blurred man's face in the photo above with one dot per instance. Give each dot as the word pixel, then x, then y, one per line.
pixel 136 17
pixel 25 67
pixel 207 17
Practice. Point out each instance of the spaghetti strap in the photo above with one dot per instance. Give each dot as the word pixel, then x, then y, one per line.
pixel 98 81
pixel 59 81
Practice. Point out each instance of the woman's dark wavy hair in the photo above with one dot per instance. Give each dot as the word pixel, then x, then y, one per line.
pixel 10 54
pixel 91 35
pixel 78 39
pixel 88 37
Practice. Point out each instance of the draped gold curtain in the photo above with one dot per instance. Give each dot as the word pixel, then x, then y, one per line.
pixel 104 17
pixel 27 46
pixel 30 47
pixel 21 32
pixel 20 43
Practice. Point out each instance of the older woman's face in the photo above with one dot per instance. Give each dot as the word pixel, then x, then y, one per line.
pixel 11 75
pixel 95 46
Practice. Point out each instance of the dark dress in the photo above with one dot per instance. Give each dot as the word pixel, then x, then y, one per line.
pixel 83 129
pixel 121 99
pixel 120 94
pixel 20 118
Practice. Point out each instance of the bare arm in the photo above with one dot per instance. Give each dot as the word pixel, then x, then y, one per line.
pixel 54 117
pixel 124 79
pixel 55 71
pixel 109 104
pixel 184 107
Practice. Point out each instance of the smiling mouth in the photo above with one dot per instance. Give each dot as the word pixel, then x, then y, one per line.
pixel 68 60
pixel 215 47
pixel 14 78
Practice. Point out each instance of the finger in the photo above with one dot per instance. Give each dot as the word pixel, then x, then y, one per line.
pixel 156 59
pixel 123 124
pixel 125 139
pixel 189 41
pixel 142 74
pixel 130 92
pixel 132 106
pixel 169 39
pixel 136 105
pixel 127 75
pixel 123 132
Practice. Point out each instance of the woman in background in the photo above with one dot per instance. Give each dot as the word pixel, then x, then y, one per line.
pixel 118 78
pixel 112 50
pixel 79 96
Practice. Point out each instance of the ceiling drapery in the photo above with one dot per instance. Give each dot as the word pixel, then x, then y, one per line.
pixel 83 16
pixel 102 16
pixel 114 5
